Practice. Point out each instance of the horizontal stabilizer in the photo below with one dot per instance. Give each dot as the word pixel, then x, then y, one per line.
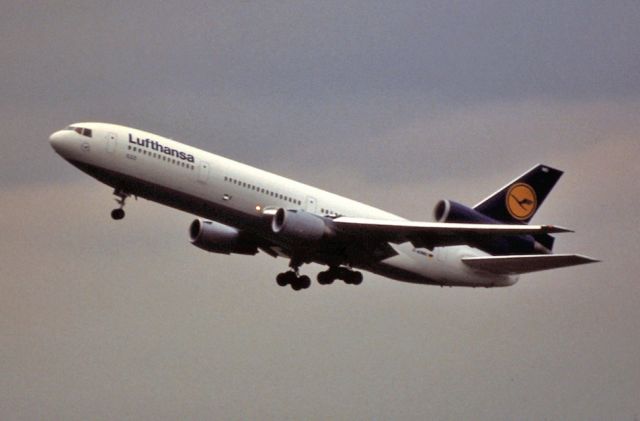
pixel 513 265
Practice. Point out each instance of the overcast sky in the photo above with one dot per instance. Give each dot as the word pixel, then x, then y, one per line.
pixel 397 104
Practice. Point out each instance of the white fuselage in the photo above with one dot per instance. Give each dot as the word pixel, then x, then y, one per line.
pixel 237 195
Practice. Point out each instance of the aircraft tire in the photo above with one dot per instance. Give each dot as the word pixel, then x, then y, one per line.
pixel 325 278
pixel 356 278
pixel 304 281
pixel 117 214
pixel 282 279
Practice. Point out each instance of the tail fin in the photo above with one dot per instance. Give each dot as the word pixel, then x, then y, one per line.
pixel 519 200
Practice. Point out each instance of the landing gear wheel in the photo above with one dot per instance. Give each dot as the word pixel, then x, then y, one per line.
pixel 344 274
pixel 290 278
pixel 325 278
pixel 349 276
pixel 304 281
pixel 282 280
pixel 117 214
pixel 356 278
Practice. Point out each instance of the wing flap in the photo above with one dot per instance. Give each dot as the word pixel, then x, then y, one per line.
pixel 513 265
pixel 432 234
pixel 448 227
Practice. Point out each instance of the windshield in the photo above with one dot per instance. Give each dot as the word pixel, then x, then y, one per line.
pixel 80 130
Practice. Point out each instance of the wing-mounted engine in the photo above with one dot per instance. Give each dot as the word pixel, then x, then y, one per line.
pixel 300 227
pixel 450 211
pixel 219 238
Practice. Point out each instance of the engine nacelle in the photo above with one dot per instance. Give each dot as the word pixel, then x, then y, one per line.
pixel 296 226
pixel 450 211
pixel 219 238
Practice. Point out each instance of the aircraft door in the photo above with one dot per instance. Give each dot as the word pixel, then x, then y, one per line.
pixel 203 172
pixel 112 140
pixel 310 204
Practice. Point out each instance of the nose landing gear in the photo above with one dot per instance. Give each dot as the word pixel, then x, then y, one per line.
pixel 118 213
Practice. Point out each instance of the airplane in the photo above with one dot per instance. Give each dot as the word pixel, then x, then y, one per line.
pixel 244 210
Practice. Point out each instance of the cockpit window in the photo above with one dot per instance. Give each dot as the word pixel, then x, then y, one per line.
pixel 80 130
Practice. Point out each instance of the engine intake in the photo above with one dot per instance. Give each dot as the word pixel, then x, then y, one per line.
pixel 219 238
pixel 300 226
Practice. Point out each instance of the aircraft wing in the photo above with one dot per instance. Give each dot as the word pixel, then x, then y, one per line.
pixel 433 234
pixel 513 265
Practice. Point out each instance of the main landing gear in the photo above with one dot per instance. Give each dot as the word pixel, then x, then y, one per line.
pixel 292 278
pixel 347 275
pixel 327 277
pixel 118 213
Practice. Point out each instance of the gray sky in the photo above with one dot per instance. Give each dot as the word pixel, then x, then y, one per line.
pixel 395 104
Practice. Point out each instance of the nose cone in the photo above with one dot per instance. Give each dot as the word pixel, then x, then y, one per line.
pixel 55 138
pixel 58 140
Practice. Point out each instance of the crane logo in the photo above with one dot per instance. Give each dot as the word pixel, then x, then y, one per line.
pixel 521 201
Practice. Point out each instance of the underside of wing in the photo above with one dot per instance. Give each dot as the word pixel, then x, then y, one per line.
pixel 513 265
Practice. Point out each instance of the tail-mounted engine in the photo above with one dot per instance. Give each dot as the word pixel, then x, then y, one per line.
pixel 450 211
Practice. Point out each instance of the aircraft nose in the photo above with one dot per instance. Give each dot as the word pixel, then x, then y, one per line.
pixel 57 139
